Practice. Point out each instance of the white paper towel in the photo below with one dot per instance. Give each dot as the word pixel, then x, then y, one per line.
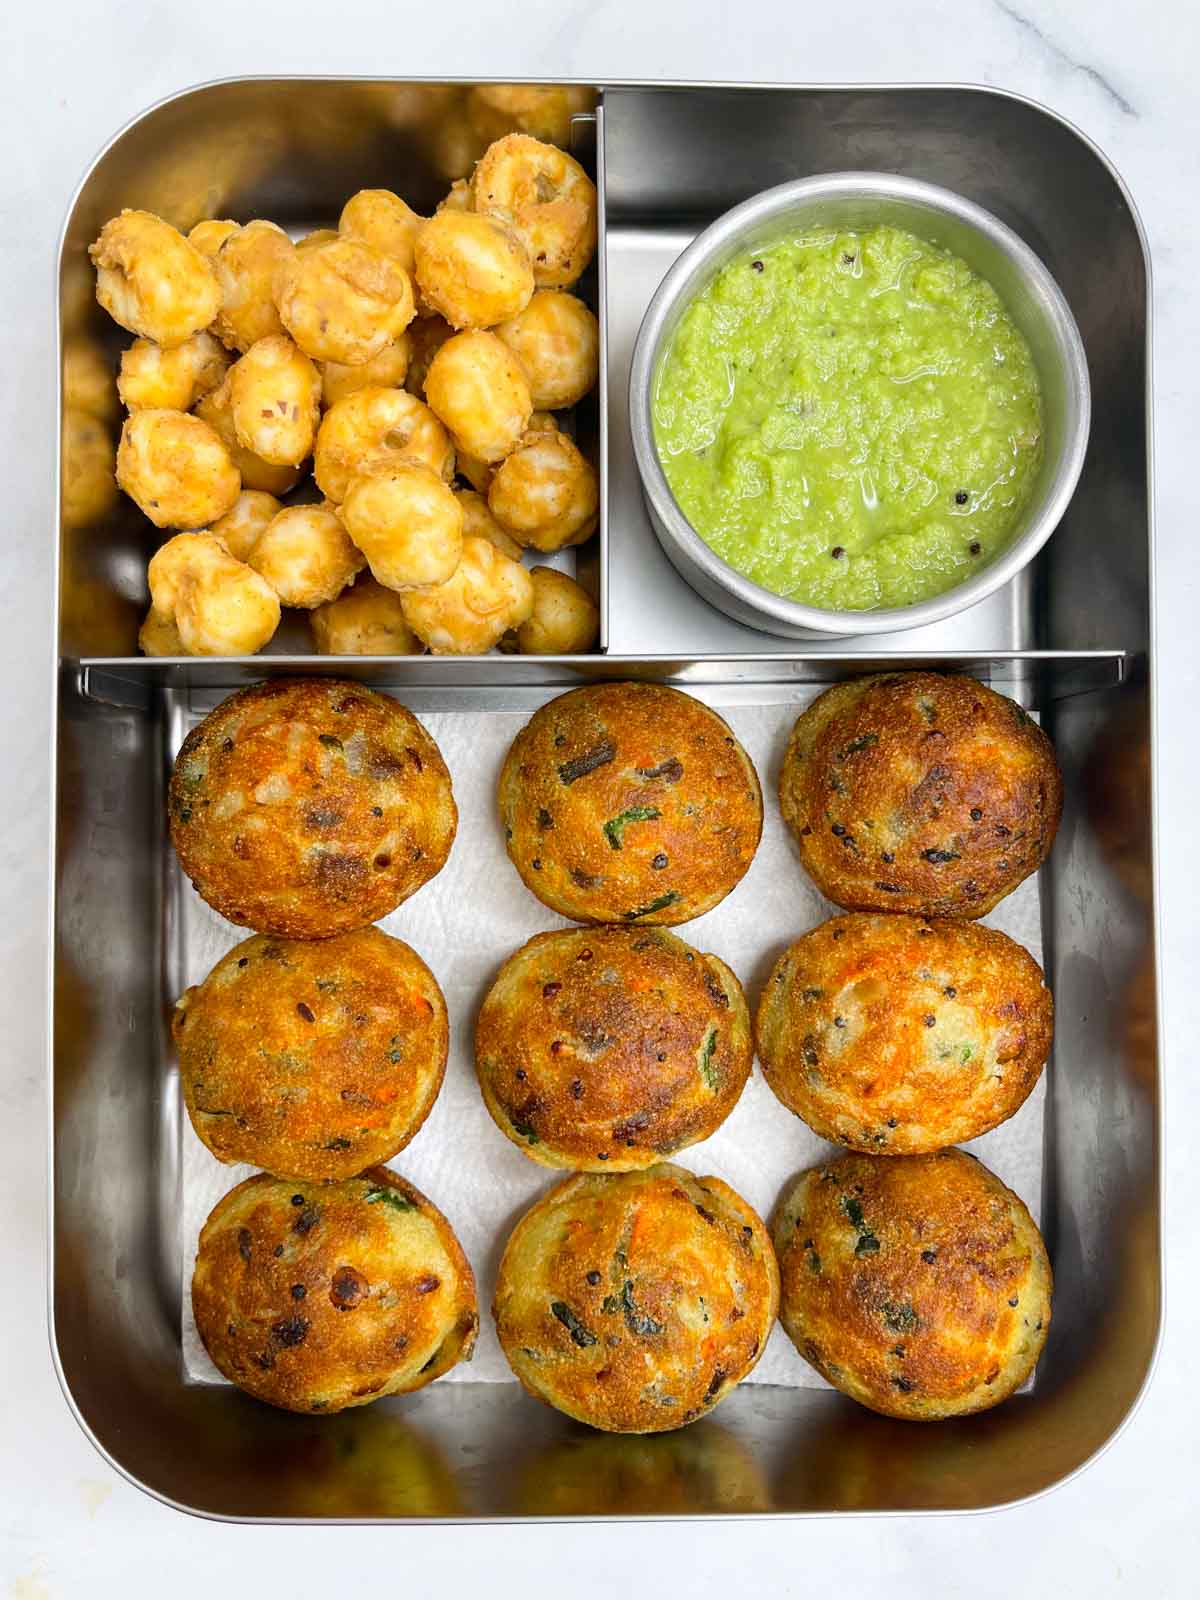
pixel 473 915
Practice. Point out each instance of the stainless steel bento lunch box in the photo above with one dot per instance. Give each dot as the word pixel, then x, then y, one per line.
pixel 1069 636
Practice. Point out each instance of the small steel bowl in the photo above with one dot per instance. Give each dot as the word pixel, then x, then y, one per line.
pixel 1032 299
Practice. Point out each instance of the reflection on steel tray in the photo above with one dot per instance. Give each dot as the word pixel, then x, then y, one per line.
pixel 1070 638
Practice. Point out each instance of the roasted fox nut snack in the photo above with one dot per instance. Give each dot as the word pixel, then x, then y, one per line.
pixel 914 791
pixel 309 806
pixel 158 379
pixel 547 197
pixel 387 370
pixel 920 1287
pixel 176 469
pixel 406 522
pixel 318 1298
pixel 473 271
pixel 382 219
pixel 306 555
pixel 557 341
pixel 343 300
pixel 895 1035
pixel 365 620
pixel 629 802
pixel 605 1049
pixel 565 619
pixel 247 264
pixel 275 401
pixel 545 494
pixel 359 1019
pixel 478 390
pixel 636 1302
pixel 204 602
pixel 240 529
pixel 372 427
pixel 485 596
pixel 208 236
pixel 151 280
pixel 263 477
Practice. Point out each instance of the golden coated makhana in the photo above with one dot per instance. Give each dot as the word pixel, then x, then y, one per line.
pixel 382 219
pixel 485 596
pixel 219 605
pixel 547 197
pixel 240 527
pixel 479 523
pixel 366 620
pixel 275 401
pixel 546 494
pixel 155 378
pixel 478 389
pixel 426 336
pixel 344 300
pixel 208 236
pixel 407 523
pixel 265 476
pixel 159 634
pixel 176 469
pixel 457 197
pixel 377 427
pixel 318 236
pixel 387 370
pixel 564 620
pixel 557 341
pixel 306 555
pixel 477 473
pixel 151 280
pixel 247 264
pixel 472 270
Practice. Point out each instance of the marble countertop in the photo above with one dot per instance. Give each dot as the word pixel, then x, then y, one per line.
pixel 74 72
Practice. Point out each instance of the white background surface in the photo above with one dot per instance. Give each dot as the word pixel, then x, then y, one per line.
pixel 69 75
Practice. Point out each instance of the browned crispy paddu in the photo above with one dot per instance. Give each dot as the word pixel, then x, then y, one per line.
pixel 629 802
pixel 321 1297
pixel 605 1049
pixel 312 1058
pixel 636 1302
pixel 919 1287
pixel 898 1035
pixel 914 791
pixel 309 806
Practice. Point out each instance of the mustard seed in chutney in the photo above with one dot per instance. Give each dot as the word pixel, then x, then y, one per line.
pixel 850 419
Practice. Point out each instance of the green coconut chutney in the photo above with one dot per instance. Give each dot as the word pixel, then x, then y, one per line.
pixel 850 419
